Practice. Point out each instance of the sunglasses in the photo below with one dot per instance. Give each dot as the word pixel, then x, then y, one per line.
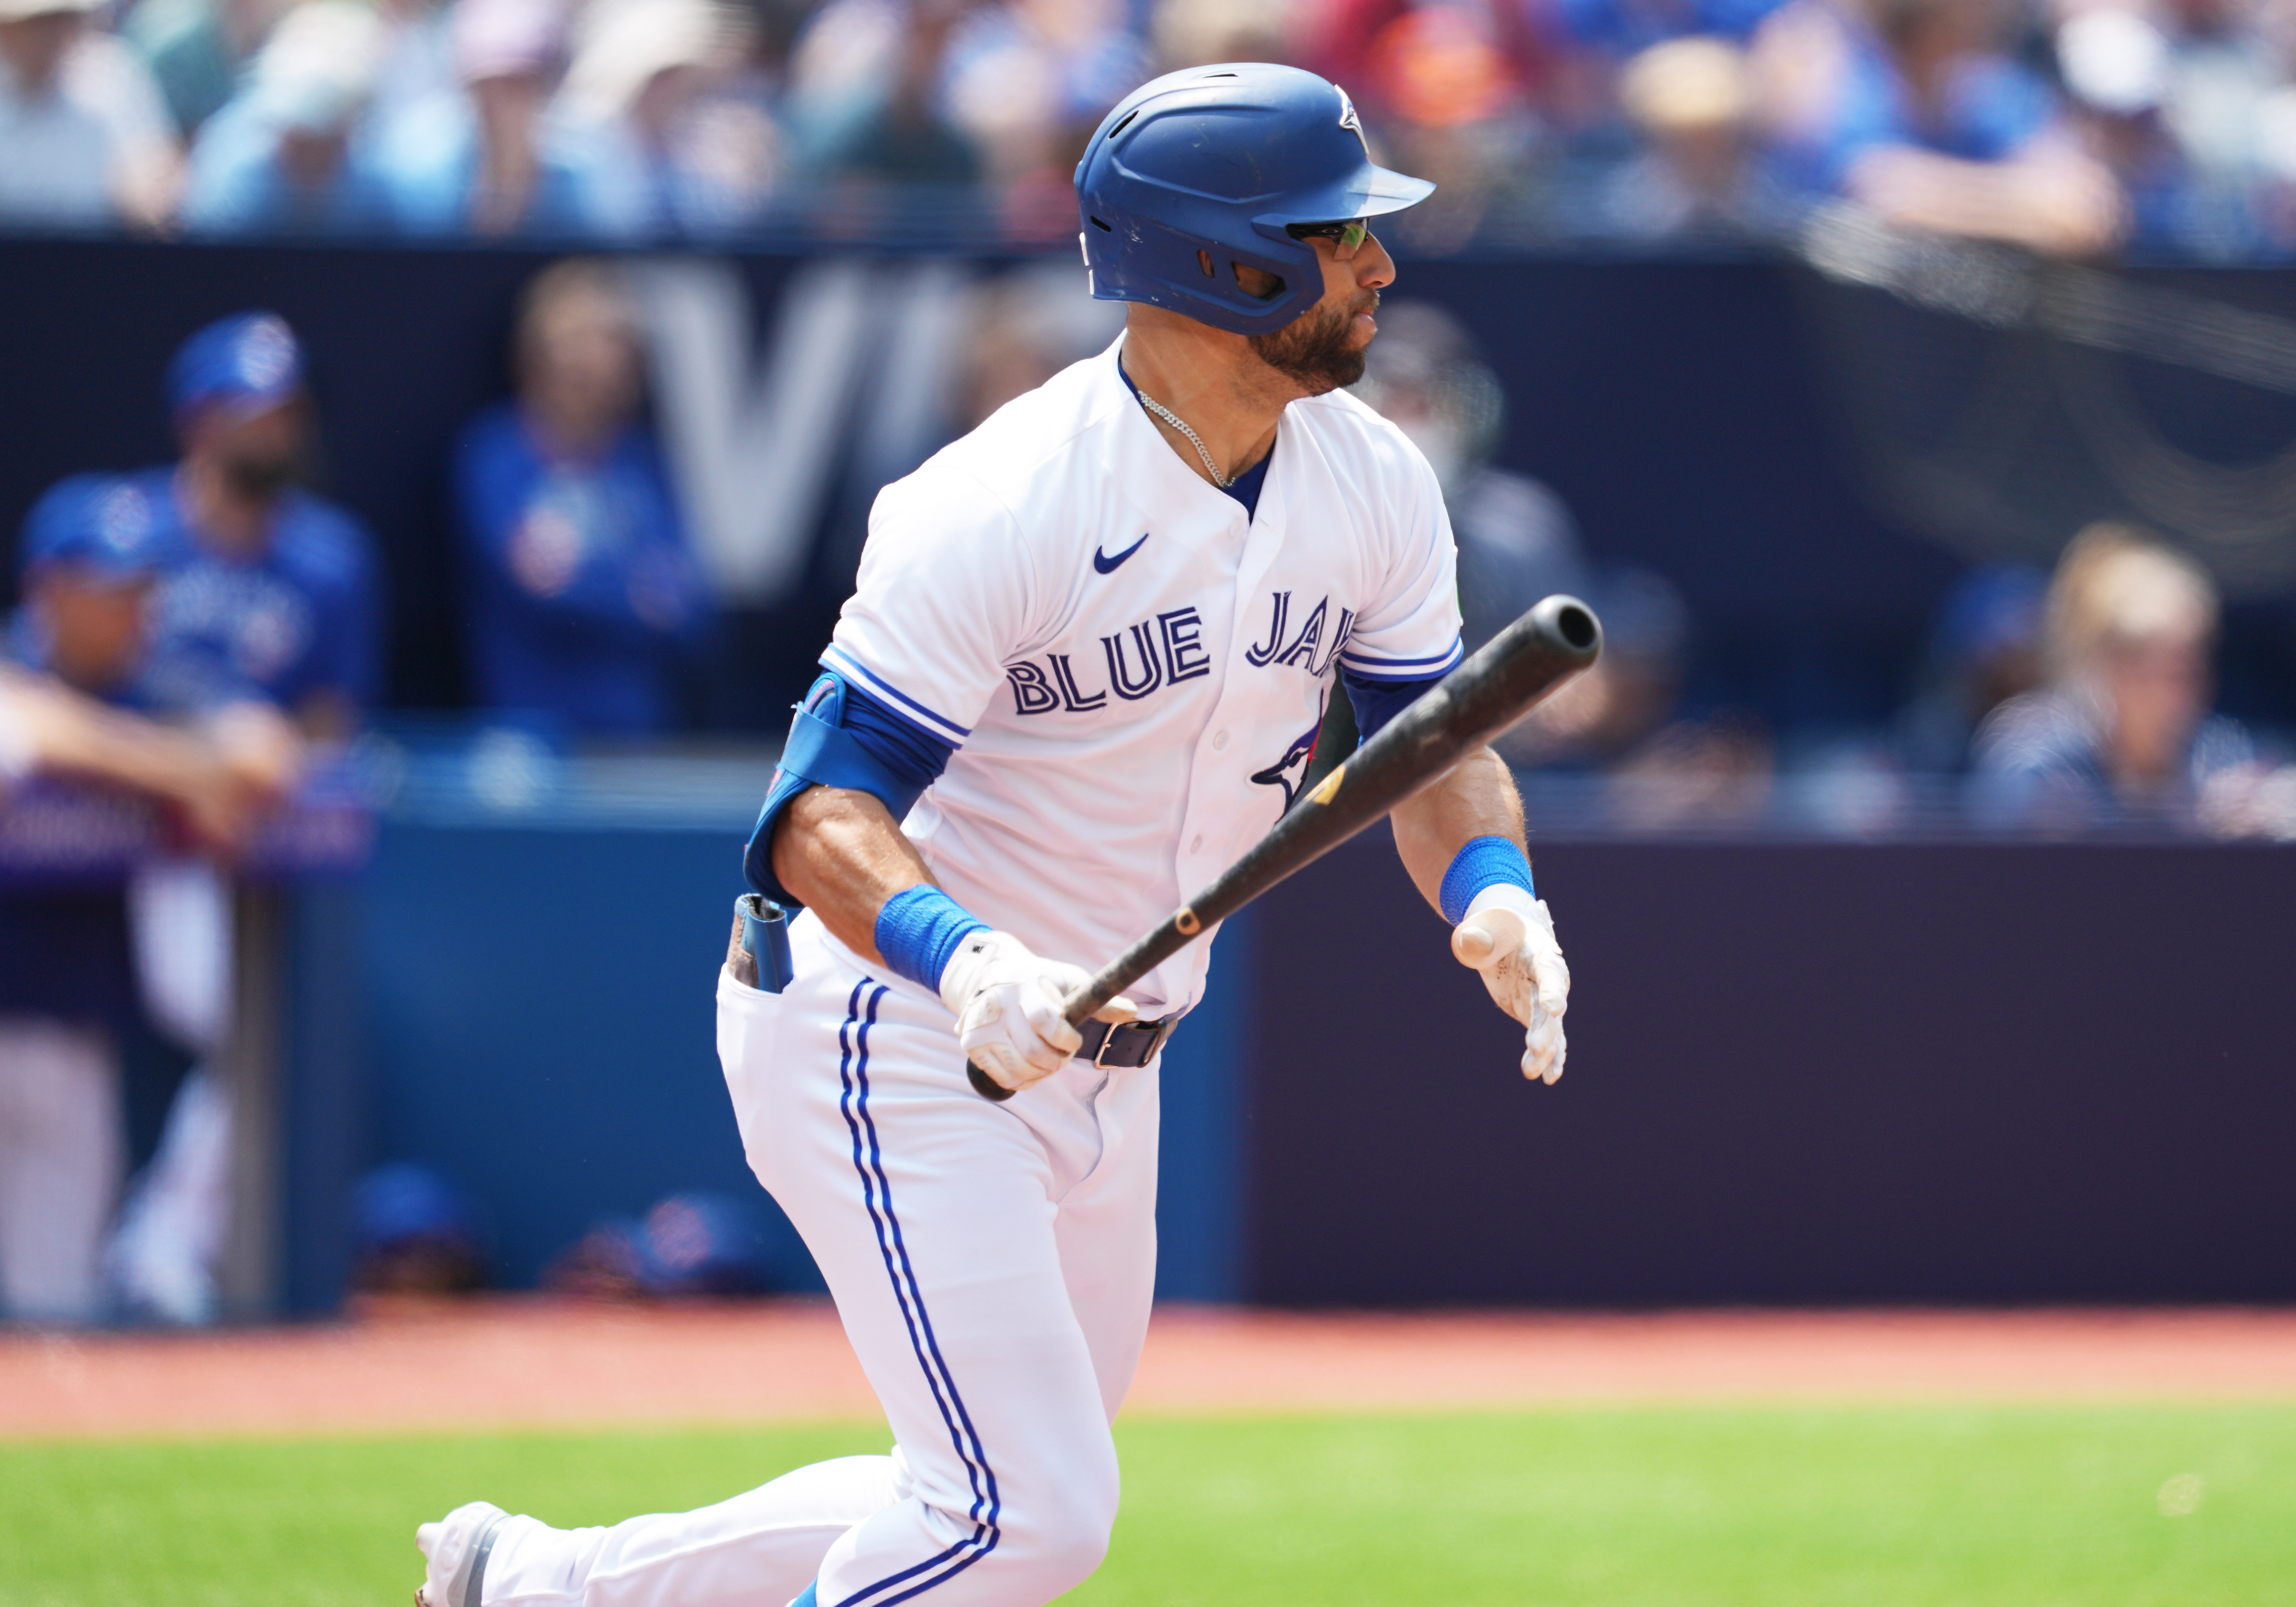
pixel 1346 238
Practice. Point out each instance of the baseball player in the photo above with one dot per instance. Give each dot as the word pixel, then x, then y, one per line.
pixel 1083 669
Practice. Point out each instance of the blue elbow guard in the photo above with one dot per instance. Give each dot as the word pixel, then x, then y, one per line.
pixel 819 753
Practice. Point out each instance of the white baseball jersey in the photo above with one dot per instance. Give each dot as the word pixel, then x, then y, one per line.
pixel 1134 668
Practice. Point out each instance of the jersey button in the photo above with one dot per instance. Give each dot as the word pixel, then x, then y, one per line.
pixel 1219 741
pixel 1197 847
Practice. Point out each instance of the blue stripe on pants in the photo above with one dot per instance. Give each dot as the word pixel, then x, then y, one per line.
pixel 877 1193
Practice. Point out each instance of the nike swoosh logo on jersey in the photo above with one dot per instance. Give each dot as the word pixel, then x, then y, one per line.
pixel 1107 565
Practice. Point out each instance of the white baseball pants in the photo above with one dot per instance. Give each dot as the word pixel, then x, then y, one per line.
pixel 993 1265
pixel 61 1155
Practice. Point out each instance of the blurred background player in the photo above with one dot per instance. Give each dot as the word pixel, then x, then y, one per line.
pixel 93 549
pixel 269 594
pixel 583 602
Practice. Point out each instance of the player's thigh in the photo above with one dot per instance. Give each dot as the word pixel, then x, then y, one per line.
pixel 930 1213
pixel 1106 1234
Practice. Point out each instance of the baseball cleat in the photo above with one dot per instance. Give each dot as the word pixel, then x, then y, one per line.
pixel 455 1550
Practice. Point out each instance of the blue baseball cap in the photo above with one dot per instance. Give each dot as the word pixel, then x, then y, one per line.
pixel 247 363
pixel 97 525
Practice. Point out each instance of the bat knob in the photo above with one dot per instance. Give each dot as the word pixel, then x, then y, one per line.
pixel 986 1085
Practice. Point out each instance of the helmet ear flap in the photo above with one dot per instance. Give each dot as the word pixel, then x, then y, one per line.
pixel 1248 292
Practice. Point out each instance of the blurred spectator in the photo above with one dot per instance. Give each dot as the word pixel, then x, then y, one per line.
pixel 488 163
pixel 2117 67
pixel 688 1245
pixel 1912 109
pixel 197 49
pixel 1623 28
pixel 866 96
pixel 83 139
pixel 1698 774
pixel 583 597
pixel 1028 324
pixel 270 594
pixel 91 551
pixel 282 157
pixel 1697 178
pixel 417 63
pixel 1984 648
pixel 415 1233
pixel 2122 724
pixel 676 154
pixel 2230 108
pixel 1200 33
pixel 1605 715
pixel 1516 540
pixel 1453 89
pixel 1028 82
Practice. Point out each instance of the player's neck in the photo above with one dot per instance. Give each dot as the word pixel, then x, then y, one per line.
pixel 223 519
pixel 1211 379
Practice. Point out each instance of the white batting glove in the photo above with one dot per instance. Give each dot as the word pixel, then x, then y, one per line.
pixel 1008 1008
pixel 1508 935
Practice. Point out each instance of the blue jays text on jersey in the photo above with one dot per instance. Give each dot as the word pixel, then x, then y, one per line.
pixel 1128 664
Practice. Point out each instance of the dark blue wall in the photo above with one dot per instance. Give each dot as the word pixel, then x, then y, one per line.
pixel 1798 1072
pixel 538 1002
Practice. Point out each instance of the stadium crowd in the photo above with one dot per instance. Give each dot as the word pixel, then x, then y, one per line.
pixel 2075 127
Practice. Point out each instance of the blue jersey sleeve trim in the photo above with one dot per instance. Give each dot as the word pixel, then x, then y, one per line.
pixel 1375 663
pixel 1482 862
pixel 842 662
pixel 1377 699
pixel 842 737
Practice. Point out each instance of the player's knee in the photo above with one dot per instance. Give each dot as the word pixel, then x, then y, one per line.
pixel 1063 1535
pixel 1064 1558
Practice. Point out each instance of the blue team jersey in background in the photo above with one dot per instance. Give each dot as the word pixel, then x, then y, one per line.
pixel 297 617
pixel 582 597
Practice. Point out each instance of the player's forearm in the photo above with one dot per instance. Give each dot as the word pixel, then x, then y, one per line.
pixel 1477 799
pixel 73 735
pixel 842 855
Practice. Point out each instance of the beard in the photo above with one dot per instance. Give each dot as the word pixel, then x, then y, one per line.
pixel 1317 349
pixel 259 479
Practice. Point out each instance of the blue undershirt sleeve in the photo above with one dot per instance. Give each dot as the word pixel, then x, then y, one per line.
pixel 1377 703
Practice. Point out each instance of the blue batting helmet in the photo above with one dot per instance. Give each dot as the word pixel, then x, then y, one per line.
pixel 1203 169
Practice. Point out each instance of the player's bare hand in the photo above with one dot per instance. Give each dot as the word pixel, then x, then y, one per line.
pixel 1008 1008
pixel 1509 937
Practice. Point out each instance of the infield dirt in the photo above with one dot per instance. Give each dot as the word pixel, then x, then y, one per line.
pixel 515 1362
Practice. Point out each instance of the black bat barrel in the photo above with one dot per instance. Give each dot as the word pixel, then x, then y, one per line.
pixel 1497 684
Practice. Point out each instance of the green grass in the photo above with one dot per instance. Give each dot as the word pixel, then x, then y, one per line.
pixel 1680 1507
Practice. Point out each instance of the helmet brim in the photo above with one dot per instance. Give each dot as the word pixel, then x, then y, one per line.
pixel 1369 191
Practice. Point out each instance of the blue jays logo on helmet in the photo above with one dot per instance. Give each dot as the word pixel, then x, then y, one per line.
pixel 1202 170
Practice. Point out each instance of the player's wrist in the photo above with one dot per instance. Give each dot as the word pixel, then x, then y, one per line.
pixel 1486 870
pixel 920 930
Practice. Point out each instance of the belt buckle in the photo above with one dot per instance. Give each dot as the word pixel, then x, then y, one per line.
pixel 1160 1031
pixel 1100 1055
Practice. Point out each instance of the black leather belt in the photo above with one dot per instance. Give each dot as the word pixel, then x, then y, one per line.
pixel 1120 1048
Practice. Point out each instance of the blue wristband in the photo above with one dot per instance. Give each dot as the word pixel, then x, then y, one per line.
pixel 919 928
pixel 1485 862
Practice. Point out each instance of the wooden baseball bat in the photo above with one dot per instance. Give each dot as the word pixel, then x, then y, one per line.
pixel 1497 686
